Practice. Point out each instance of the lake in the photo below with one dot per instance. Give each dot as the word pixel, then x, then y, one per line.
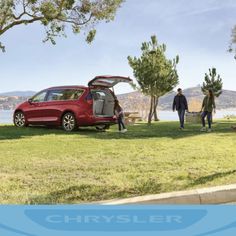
pixel 6 116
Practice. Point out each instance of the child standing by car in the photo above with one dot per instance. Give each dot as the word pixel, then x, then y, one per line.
pixel 120 117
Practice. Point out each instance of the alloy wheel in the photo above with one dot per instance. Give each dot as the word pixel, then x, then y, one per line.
pixel 68 122
pixel 19 119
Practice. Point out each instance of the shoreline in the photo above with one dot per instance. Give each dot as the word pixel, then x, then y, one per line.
pixel 164 115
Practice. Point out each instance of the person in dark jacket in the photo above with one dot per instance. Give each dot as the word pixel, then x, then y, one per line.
pixel 181 105
pixel 208 106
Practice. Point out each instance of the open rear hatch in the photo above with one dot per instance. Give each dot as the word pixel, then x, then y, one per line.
pixel 103 98
pixel 108 81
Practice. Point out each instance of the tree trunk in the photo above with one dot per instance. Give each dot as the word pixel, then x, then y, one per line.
pixel 151 110
pixel 155 109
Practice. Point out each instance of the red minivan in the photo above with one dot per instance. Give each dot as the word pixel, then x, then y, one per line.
pixel 72 106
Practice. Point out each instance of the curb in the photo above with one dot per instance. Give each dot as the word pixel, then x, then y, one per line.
pixel 213 195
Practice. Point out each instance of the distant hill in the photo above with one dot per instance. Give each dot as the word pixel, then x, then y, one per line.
pixel 18 94
pixel 137 101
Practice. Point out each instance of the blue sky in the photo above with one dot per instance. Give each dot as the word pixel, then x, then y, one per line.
pixel 197 30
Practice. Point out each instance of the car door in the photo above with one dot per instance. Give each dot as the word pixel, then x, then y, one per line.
pixel 54 105
pixel 35 112
pixel 60 100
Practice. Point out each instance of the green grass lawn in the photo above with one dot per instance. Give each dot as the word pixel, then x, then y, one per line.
pixel 42 165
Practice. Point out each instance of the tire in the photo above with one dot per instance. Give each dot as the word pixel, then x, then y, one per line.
pixel 69 122
pixel 19 119
pixel 101 127
pixel 107 127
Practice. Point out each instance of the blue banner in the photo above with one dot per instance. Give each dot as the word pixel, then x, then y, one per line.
pixel 74 220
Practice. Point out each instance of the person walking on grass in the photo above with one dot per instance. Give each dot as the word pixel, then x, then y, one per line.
pixel 181 105
pixel 120 117
pixel 208 106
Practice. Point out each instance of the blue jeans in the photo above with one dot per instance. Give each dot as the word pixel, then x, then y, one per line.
pixel 181 114
pixel 121 123
pixel 209 118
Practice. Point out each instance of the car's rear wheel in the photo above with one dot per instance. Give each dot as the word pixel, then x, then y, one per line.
pixel 102 127
pixel 69 122
pixel 19 119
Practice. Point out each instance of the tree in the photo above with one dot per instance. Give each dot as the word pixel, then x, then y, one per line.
pixel 55 15
pixel 233 42
pixel 213 81
pixel 155 74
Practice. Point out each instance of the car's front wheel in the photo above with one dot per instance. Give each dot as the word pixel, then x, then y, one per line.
pixel 19 119
pixel 69 122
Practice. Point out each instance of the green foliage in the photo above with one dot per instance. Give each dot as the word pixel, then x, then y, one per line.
pixel 91 36
pixel 85 6
pixel 55 15
pixel 69 4
pixel 48 10
pixel 156 75
pixel 232 48
pixel 2 48
pixel 212 81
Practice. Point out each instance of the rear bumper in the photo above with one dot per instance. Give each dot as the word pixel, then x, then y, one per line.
pixel 106 121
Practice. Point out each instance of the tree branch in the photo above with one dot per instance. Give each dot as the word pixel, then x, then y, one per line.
pixel 23 13
pixel 19 22
pixel 73 20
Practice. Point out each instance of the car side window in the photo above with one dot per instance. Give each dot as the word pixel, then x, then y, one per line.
pixel 40 97
pixel 54 95
pixel 63 95
pixel 98 95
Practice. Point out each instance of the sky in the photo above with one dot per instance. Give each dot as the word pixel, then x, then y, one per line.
pixel 197 30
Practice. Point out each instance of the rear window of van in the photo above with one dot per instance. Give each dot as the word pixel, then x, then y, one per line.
pixel 64 94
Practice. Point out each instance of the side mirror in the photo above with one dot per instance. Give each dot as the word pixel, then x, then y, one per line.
pixel 30 100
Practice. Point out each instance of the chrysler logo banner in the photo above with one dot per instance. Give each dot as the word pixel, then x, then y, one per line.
pixel 117 220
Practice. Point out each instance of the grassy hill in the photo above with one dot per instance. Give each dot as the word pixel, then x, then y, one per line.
pixel 136 100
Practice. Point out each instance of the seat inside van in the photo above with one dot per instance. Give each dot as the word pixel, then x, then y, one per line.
pixel 103 103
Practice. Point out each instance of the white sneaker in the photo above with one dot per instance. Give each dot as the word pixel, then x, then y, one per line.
pixel 203 129
pixel 124 131
pixel 209 130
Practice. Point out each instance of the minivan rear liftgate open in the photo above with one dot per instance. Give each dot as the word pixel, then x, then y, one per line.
pixel 103 97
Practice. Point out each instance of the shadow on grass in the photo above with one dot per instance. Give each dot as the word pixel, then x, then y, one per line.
pixel 9 132
pixel 93 193
pixel 210 178
pixel 138 131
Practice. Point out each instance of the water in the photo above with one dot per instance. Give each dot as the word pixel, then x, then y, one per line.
pixel 6 116
pixel 173 116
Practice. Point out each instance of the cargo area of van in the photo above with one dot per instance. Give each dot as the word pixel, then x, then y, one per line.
pixel 103 103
